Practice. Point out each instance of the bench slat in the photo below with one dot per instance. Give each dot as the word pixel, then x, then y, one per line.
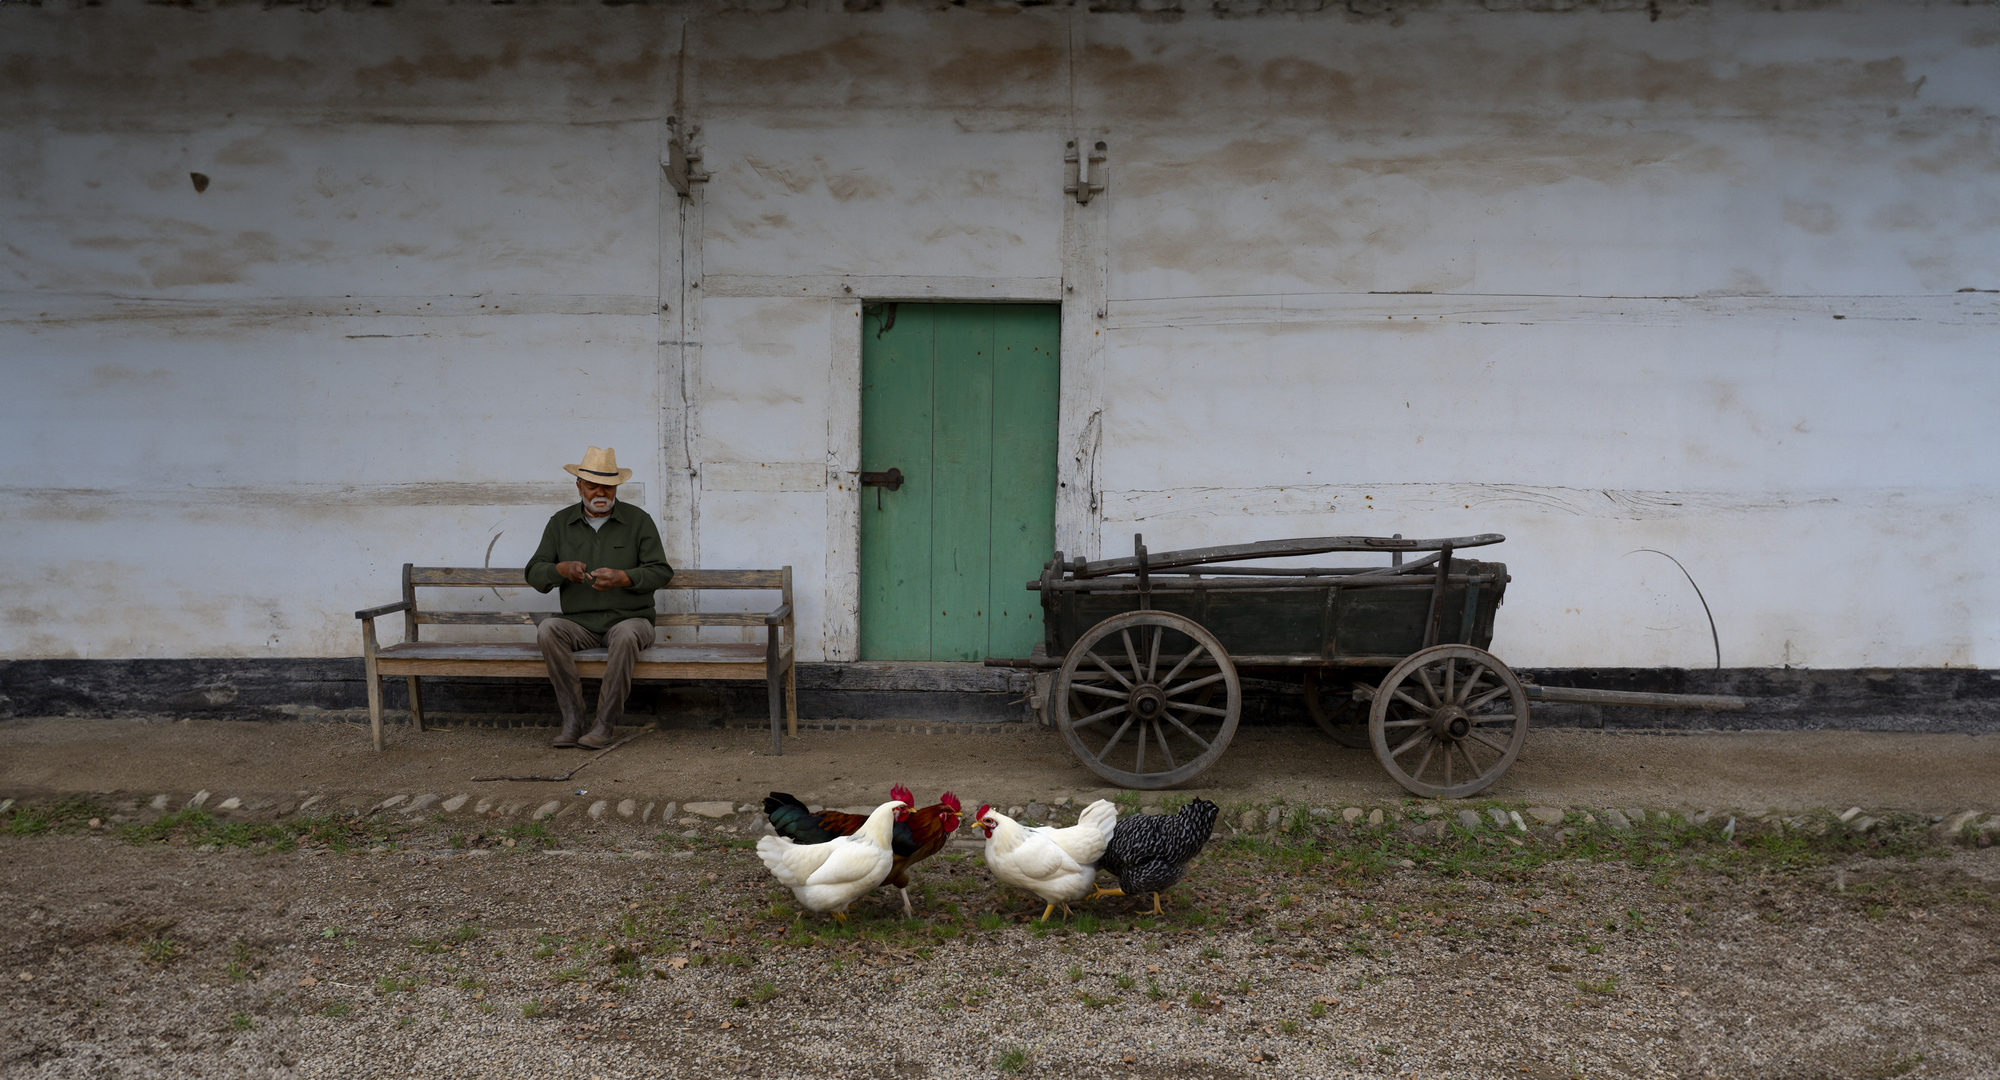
pixel 527 618
pixel 751 670
pixel 710 618
pixel 467 575
pixel 505 577
pixel 727 652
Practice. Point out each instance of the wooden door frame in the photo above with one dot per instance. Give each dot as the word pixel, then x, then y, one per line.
pixel 1078 414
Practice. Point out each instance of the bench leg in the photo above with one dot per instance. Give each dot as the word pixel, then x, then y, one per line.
pixel 416 703
pixel 374 679
pixel 775 682
pixel 792 697
pixel 777 686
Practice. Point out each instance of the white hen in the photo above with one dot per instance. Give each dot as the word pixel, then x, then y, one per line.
pixel 1058 865
pixel 828 877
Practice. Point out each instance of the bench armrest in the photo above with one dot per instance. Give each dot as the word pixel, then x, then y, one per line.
pixel 779 616
pixel 385 609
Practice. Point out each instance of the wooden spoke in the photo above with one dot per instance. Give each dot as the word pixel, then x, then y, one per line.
pixel 1096 716
pixel 1335 714
pixel 1132 656
pixel 1147 641
pixel 1099 661
pixel 1424 676
pixel 1182 666
pixel 1115 736
pixel 1429 748
pixel 1185 730
pixel 1475 736
pixel 1465 691
pixel 1409 742
pixel 1469 707
pixel 1195 684
pixel 1471 766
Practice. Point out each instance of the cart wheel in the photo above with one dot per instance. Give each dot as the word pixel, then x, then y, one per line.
pixel 1448 721
pixel 1343 723
pixel 1127 693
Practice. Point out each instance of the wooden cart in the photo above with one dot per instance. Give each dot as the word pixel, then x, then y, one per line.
pixel 1147 652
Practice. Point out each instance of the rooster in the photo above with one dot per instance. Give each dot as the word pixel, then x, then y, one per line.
pixel 918 837
pixel 830 876
pixel 1058 865
pixel 1149 853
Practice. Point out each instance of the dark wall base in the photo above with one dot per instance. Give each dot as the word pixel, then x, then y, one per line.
pixel 1898 699
pixel 274 689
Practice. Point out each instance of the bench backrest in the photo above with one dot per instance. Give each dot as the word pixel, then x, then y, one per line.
pixel 481 577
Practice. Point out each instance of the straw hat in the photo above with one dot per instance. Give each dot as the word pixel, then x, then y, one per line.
pixel 600 467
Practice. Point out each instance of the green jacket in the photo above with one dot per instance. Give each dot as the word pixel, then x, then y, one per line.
pixel 629 542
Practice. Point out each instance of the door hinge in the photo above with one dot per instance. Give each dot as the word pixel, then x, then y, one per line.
pixel 1078 182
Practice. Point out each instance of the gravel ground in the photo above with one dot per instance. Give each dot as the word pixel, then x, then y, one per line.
pixel 371 949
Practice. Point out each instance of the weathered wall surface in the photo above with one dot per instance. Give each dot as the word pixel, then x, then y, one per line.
pixel 1599 281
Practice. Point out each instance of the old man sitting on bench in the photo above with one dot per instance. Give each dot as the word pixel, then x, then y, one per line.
pixel 608 559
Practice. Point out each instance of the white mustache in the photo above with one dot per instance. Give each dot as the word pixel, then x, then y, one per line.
pixel 600 505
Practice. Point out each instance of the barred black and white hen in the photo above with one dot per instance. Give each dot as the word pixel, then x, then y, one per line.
pixel 1150 852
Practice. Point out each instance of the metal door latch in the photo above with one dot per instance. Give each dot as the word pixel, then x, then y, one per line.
pixel 893 480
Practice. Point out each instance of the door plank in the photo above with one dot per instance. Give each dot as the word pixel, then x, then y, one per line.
pixel 1026 340
pixel 896 421
pixel 962 478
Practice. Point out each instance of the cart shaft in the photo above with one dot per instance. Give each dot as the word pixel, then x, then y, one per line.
pixel 1570 695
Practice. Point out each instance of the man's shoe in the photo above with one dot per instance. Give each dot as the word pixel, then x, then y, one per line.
pixel 599 737
pixel 567 739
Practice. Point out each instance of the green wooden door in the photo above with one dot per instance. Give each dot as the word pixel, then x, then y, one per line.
pixel 962 399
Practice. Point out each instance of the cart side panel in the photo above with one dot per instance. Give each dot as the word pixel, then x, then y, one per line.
pixel 1291 623
pixel 1076 612
pixel 1377 620
pixel 1391 621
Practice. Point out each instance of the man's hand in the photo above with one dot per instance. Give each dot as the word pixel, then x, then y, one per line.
pixel 573 571
pixel 604 578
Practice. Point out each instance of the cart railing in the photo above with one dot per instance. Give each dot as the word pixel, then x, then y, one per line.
pixel 1270 549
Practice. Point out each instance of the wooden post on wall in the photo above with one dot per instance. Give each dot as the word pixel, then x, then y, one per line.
pixel 841 619
pixel 1085 271
pixel 679 338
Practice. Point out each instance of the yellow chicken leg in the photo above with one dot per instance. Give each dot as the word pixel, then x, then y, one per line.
pixel 842 916
pixel 1103 892
pixel 1046 912
pixel 1157 910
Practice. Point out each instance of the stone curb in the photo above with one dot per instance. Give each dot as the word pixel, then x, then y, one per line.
pixel 716 817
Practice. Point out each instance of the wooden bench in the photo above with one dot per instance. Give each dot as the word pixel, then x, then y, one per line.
pixel 728 660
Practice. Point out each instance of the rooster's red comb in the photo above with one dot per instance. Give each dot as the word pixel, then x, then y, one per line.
pixel 952 801
pixel 983 807
pixel 903 794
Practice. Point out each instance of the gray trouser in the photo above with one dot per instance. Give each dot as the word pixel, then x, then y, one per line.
pixel 560 639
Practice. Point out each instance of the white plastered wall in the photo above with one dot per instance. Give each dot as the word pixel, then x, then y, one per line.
pixel 1598 282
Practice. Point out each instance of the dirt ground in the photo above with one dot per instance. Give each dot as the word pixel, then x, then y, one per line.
pixel 466 945
pixel 629 953
pixel 1740 771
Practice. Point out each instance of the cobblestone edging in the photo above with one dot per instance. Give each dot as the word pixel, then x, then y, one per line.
pixel 719 819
